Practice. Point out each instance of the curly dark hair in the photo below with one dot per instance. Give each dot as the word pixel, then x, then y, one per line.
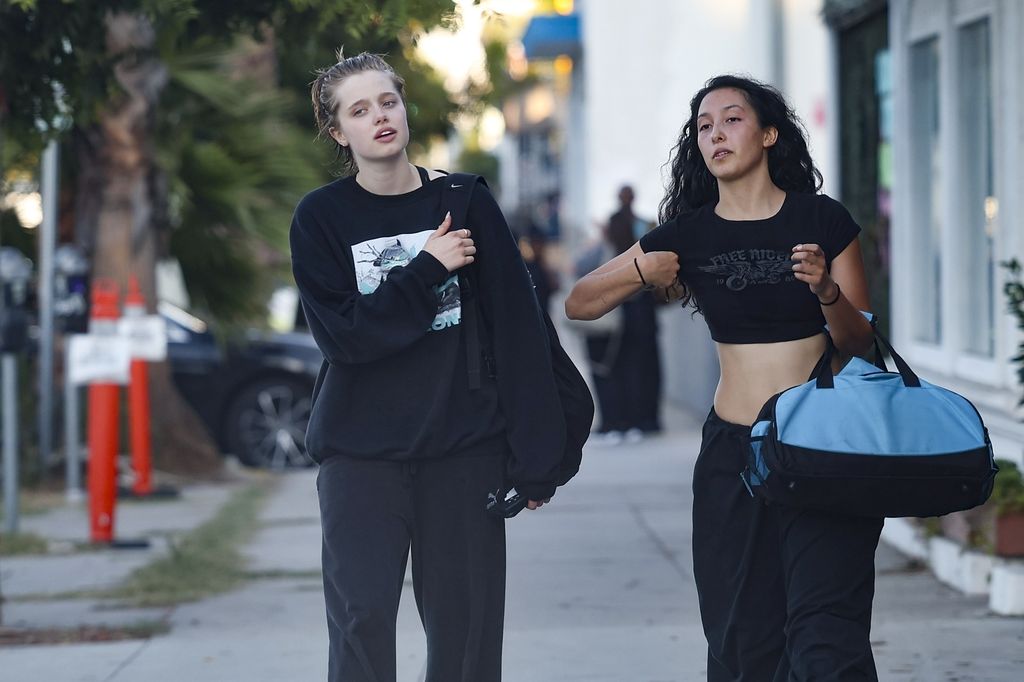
pixel 789 162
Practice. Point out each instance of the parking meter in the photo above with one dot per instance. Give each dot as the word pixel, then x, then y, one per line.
pixel 15 273
pixel 71 289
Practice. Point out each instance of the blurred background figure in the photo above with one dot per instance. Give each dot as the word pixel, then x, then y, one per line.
pixel 533 248
pixel 625 363
pixel 638 368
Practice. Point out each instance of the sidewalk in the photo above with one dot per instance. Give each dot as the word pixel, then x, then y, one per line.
pixel 599 590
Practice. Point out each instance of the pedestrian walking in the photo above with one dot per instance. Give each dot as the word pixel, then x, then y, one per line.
pixel 637 370
pixel 408 446
pixel 745 238
pixel 625 366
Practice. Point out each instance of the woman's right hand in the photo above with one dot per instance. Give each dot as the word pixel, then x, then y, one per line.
pixel 660 268
pixel 452 249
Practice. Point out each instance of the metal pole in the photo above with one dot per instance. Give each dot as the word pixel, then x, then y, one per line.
pixel 73 470
pixel 9 400
pixel 44 288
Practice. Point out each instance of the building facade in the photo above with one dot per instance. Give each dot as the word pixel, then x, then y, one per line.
pixel 915 114
pixel 957 200
pixel 639 67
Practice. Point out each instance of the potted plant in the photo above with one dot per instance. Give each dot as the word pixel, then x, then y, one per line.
pixel 1008 491
pixel 1007 527
pixel 1014 290
pixel 997 526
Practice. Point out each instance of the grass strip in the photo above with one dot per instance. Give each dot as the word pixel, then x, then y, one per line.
pixel 204 562
pixel 36 502
pixel 82 633
pixel 21 543
pixel 285 575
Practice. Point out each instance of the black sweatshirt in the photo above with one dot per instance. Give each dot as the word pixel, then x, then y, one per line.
pixel 387 317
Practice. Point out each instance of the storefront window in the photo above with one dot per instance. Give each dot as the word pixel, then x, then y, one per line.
pixel 926 193
pixel 980 207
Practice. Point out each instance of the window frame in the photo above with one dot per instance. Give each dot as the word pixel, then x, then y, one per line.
pixel 910 23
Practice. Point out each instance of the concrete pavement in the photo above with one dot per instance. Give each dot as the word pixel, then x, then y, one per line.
pixel 599 589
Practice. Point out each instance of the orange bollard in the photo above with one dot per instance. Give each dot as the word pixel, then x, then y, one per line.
pixel 138 402
pixel 104 427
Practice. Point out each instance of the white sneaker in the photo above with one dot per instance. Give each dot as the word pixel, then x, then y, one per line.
pixel 608 438
pixel 634 436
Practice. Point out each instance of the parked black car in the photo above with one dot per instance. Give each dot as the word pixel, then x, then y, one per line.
pixel 254 394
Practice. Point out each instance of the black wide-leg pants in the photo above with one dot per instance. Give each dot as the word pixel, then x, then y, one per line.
pixel 371 513
pixel 785 594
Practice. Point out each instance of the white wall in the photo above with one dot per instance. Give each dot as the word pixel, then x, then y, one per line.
pixel 809 80
pixel 989 382
pixel 643 61
pixel 643 65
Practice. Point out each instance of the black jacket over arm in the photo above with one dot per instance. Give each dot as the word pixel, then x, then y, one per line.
pixel 526 386
pixel 392 386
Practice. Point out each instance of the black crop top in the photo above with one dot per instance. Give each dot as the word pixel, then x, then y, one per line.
pixel 740 271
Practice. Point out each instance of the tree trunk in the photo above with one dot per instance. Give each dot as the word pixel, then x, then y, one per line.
pixel 119 207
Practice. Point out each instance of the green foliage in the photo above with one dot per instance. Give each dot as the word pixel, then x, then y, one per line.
pixel 305 45
pixel 477 161
pixel 237 165
pixel 1014 290
pixel 13 234
pixel 53 64
pixel 205 562
pixel 500 84
pixel 1008 489
pixel 237 148
pixel 21 544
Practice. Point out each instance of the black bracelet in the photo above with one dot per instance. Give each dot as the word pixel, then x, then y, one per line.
pixel 647 287
pixel 833 301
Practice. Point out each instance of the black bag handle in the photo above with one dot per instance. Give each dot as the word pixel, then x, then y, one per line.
pixel 822 372
pixel 458 189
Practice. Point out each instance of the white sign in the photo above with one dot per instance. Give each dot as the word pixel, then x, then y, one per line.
pixel 96 359
pixel 147 336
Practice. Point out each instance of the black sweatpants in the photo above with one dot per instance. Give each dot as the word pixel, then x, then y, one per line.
pixel 371 513
pixel 785 594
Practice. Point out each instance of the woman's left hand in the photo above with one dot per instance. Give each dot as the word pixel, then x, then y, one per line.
pixel 536 504
pixel 809 266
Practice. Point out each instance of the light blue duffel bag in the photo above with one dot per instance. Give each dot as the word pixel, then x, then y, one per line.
pixel 870 442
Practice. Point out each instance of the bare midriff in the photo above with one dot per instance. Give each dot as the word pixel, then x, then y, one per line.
pixel 754 372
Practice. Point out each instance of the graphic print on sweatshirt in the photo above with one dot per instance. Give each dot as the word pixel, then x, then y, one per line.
pixel 375 258
pixel 739 269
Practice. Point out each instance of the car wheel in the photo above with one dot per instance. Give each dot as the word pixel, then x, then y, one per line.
pixel 266 423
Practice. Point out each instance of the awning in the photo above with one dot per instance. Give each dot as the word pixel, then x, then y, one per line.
pixel 550 35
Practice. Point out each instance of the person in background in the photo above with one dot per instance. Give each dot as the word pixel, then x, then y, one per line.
pixel 533 247
pixel 637 370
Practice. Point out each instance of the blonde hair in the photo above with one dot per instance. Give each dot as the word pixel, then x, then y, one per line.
pixel 325 103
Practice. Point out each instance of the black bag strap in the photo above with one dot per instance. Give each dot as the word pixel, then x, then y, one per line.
pixel 822 372
pixel 458 190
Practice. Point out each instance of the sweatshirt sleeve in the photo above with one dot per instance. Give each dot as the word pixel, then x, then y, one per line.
pixel 350 327
pixel 526 384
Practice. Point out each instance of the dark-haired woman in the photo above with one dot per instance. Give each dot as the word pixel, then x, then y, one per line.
pixel 785 594
pixel 408 448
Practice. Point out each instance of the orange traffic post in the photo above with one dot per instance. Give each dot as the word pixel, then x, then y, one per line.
pixel 103 427
pixel 138 402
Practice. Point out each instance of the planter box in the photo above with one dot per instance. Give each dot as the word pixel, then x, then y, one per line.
pixel 985 529
pixel 1009 534
pixel 1007 595
pixel 968 571
pixel 908 536
pixel 964 570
